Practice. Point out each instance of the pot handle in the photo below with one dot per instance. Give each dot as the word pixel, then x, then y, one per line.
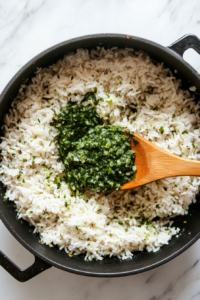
pixel 186 42
pixel 23 275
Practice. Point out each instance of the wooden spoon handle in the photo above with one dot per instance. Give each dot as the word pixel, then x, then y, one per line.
pixel 154 163
pixel 169 165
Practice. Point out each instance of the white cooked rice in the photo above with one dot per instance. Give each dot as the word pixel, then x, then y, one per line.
pixel 125 77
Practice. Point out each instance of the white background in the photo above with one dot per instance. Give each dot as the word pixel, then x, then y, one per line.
pixel 28 27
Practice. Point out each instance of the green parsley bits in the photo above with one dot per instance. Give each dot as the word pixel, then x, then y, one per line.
pixel 91 96
pixel 33 159
pixel 20 174
pixel 185 132
pixel 58 182
pixel 100 208
pixel 96 156
pixel 110 101
pixel 161 130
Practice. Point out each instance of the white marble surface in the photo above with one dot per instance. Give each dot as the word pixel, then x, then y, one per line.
pixel 26 28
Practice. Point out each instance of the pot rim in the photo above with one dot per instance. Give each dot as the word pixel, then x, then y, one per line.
pixel 9 85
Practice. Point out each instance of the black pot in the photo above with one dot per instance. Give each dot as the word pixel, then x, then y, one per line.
pixel 46 257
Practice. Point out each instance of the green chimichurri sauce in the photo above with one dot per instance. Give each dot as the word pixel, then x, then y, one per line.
pixel 95 155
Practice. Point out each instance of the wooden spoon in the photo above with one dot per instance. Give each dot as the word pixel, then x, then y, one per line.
pixel 154 163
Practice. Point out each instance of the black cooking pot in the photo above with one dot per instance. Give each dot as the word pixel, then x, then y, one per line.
pixel 46 257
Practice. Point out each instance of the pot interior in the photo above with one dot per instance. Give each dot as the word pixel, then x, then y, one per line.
pixel 141 261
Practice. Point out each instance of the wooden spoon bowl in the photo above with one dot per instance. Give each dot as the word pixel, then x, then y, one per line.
pixel 154 163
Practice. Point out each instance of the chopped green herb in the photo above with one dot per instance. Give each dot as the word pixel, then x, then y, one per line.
pixel 165 188
pixel 100 208
pixel 24 160
pixel 77 228
pixel 95 89
pixel 58 182
pixel 30 212
pixel 173 116
pixel 33 159
pixel 95 155
pixel 193 145
pixel 120 222
pixel 110 101
pixel 19 121
pixel 133 177
pixel 20 174
pixel 185 132
pixel 39 120
pixel 91 96
pixel 108 95
pixel 157 206
pixel 23 180
pixel 161 130
pixel 84 233
pixel 131 217
pixel 155 108
pixel 5 199
pixel 66 204
pixel 120 82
